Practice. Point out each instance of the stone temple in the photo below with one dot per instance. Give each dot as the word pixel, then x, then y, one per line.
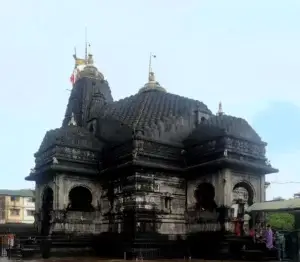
pixel 154 164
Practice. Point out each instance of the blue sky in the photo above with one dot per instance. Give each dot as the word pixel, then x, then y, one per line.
pixel 245 53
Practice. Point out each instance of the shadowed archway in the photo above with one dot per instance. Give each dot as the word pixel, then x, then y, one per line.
pixel 205 197
pixel 243 192
pixel 80 199
pixel 47 207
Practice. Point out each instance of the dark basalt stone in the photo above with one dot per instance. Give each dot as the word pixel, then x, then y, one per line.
pixel 70 136
pixel 135 146
pixel 225 125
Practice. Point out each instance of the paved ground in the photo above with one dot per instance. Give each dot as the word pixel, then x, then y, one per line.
pixel 89 259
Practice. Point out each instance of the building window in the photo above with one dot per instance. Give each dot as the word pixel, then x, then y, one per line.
pixel 14 198
pixel 15 212
pixel 30 212
pixel 31 199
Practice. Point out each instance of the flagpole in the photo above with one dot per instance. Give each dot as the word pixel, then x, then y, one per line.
pixel 86 51
pixel 150 61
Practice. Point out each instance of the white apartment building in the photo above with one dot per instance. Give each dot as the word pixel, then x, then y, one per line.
pixel 29 209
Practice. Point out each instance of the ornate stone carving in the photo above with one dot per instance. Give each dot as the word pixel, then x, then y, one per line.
pixel 245 147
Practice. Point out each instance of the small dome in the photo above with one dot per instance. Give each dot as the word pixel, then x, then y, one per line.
pixel 234 126
pixel 71 135
pixel 222 125
pixel 90 71
pixel 152 85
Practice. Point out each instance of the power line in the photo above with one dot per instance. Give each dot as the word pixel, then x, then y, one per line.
pixel 284 182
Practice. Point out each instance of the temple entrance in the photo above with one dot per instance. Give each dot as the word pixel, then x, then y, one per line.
pixel 47 207
pixel 80 199
pixel 242 197
pixel 205 202
pixel 205 197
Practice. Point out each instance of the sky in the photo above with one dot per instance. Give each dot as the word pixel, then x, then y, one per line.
pixel 243 53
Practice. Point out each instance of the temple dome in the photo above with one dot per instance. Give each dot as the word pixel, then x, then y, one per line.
pixel 89 70
pixel 147 109
pixel 222 125
pixel 152 85
pixel 71 135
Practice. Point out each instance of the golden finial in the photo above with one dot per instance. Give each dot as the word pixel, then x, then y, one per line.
pixel 90 60
pixel 152 84
pixel 151 76
pixel 220 111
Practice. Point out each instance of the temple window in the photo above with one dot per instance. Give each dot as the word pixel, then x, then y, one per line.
pixel 167 203
pixel 80 199
pixel 155 187
pixel 91 128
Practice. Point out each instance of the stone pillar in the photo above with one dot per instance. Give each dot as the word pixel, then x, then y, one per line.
pixel 59 192
pixel 227 187
pixel 38 197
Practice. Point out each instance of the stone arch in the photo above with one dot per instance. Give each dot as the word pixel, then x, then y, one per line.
pixel 247 192
pixel 205 196
pixel 80 198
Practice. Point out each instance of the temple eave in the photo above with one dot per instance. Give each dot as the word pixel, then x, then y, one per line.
pixel 61 168
pixel 142 163
pixel 229 163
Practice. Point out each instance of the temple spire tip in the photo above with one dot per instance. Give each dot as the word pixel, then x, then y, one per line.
pixel 220 110
pixel 151 75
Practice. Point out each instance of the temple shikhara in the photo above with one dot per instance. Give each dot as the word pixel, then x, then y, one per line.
pixel 154 165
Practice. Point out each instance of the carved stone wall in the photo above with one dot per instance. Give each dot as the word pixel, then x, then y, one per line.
pixel 172 221
pixel 162 193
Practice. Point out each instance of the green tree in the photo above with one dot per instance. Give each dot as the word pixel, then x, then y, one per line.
pixel 281 221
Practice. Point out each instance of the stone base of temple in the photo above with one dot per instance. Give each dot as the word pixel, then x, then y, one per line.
pixel 141 246
pixel 157 246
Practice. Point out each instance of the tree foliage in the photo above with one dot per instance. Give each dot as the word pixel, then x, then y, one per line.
pixel 281 221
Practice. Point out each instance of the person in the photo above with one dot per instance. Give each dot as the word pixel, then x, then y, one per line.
pixel 280 245
pixel 247 218
pixel 269 237
pixel 237 227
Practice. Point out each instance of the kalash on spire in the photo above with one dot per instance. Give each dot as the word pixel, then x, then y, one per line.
pixel 84 67
pixel 152 84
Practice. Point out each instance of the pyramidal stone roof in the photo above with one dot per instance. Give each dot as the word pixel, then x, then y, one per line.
pixel 147 108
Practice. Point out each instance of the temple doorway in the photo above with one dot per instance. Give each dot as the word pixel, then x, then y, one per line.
pixel 242 197
pixel 80 199
pixel 205 197
pixel 205 202
pixel 47 207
